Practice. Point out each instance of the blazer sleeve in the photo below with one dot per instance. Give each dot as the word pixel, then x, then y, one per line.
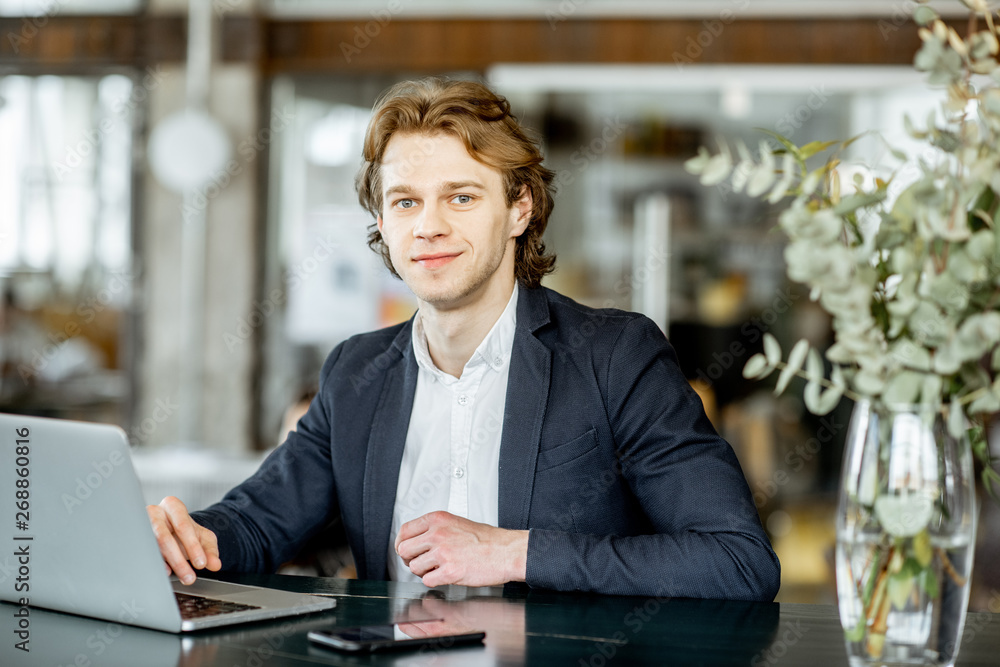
pixel 264 521
pixel 708 540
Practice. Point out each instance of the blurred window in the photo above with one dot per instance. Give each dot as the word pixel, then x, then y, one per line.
pixel 66 275
pixel 55 7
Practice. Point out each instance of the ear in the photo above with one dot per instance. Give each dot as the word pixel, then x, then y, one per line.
pixel 378 221
pixel 521 212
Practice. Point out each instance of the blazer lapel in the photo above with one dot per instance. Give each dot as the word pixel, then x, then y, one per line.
pixel 524 410
pixel 385 451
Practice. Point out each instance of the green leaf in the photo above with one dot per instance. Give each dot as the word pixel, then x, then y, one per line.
pixel 792 148
pixel 764 175
pixel 812 181
pixel 696 165
pixel 772 349
pixel 956 419
pixel 902 389
pixel 924 15
pixel 757 367
pixel 827 401
pixel 814 365
pixel 794 363
pixel 857 633
pixel 859 200
pixel 929 583
pixel 922 551
pixel 991 478
pixel 866 595
pixel 814 147
pixel 899 589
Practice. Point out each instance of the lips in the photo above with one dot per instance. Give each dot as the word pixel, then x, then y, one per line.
pixel 434 260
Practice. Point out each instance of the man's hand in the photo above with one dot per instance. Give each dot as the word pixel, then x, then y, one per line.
pixel 442 548
pixel 182 540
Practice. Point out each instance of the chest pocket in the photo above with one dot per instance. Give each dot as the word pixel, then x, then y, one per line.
pixel 567 452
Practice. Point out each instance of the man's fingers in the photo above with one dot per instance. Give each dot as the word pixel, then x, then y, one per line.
pixel 413 547
pixel 182 540
pixel 423 564
pixel 411 529
pixel 210 543
pixel 186 530
pixel 169 547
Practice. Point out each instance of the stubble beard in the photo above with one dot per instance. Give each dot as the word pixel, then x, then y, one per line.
pixel 465 286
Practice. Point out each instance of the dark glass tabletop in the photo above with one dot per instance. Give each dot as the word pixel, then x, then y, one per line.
pixel 522 625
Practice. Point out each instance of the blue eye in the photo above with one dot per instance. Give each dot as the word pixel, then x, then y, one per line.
pixel 406 203
pixel 463 199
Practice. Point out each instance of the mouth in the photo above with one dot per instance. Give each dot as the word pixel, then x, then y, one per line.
pixel 434 260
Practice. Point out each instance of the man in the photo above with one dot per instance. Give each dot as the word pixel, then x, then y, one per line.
pixel 504 433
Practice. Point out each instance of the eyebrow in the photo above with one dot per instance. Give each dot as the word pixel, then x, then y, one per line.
pixel 446 187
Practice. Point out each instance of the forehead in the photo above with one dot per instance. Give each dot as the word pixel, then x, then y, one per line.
pixel 424 160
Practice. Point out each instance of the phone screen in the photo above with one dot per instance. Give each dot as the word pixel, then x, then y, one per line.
pixel 411 634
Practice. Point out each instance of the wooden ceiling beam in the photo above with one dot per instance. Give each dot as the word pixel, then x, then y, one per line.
pixel 344 46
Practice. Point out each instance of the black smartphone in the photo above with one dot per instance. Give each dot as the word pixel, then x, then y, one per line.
pixel 433 633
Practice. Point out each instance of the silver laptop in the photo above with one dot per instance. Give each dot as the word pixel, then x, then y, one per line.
pixel 76 537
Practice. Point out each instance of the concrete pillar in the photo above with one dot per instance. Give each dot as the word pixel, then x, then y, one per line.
pixel 231 263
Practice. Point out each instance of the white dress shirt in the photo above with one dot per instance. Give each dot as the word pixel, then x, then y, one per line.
pixel 452 454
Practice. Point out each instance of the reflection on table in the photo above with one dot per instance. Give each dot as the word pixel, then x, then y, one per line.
pixel 523 626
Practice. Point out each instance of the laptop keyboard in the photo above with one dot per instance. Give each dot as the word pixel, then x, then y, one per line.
pixel 195 606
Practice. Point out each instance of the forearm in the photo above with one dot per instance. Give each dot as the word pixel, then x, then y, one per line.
pixel 730 566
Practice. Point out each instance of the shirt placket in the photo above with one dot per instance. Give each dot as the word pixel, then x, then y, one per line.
pixel 463 403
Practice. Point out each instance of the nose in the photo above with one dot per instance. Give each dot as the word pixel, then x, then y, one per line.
pixel 431 223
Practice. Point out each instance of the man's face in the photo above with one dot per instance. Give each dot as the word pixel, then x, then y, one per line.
pixel 445 219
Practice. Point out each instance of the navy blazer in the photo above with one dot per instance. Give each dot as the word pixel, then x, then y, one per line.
pixel 606 456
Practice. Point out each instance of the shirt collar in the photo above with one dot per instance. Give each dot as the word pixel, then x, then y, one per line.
pixel 493 352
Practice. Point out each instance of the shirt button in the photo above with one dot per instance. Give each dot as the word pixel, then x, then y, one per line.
pixel 463 400
pixel 497 361
pixel 459 473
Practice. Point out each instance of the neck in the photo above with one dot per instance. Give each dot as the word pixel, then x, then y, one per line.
pixel 454 334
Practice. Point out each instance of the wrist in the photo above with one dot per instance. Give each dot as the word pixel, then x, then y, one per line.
pixel 517 560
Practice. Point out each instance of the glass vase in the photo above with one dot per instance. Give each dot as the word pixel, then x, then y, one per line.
pixel 906 527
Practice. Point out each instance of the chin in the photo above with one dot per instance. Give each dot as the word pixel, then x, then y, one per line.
pixel 439 293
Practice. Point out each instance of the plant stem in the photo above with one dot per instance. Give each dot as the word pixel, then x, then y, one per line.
pixel 946 564
pixel 823 381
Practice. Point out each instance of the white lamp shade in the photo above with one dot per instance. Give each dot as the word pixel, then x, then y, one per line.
pixel 187 150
